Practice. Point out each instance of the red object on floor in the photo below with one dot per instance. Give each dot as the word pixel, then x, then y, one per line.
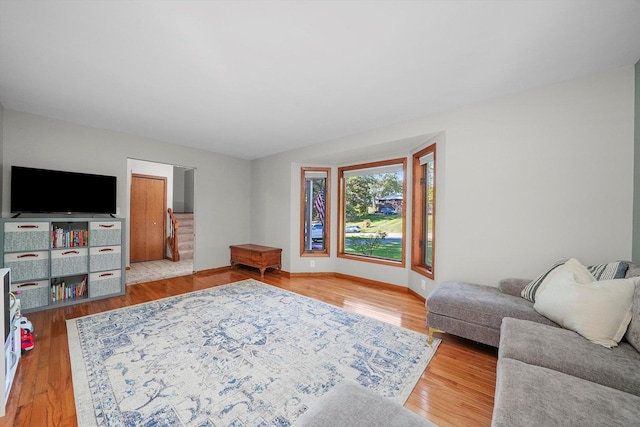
pixel 26 340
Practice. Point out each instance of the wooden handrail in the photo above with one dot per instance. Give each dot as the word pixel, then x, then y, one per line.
pixel 172 240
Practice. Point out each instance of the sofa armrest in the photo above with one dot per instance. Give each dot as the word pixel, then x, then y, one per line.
pixel 513 286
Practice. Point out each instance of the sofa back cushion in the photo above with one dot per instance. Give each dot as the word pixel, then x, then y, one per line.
pixel 633 331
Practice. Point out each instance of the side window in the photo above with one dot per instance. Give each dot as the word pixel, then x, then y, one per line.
pixel 314 211
pixel 424 211
pixel 371 212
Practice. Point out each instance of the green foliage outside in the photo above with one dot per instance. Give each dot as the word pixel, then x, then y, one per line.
pixel 361 195
pixel 379 222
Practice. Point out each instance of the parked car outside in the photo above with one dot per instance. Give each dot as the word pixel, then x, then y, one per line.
pixel 352 229
pixel 387 211
pixel 317 232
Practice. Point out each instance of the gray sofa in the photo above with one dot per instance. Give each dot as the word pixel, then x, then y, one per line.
pixel 352 405
pixel 546 375
pixel 475 311
pixel 550 376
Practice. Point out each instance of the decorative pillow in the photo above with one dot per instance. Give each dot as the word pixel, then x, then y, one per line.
pixel 611 270
pixel 580 272
pixel 599 311
pixel 529 291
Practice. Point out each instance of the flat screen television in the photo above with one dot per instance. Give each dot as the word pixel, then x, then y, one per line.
pixel 52 191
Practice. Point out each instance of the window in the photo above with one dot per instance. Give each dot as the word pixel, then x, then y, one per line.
pixel 424 211
pixel 314 223
pixel 371 212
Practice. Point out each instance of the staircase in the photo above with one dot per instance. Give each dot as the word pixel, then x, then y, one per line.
pixel 184 225
pixel 185 234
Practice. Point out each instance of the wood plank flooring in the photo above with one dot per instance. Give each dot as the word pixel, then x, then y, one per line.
pixel 456 389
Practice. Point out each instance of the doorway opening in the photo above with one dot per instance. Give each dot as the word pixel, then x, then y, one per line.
pixel 161 219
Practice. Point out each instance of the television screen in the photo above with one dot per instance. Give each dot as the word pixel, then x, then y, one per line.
pixel 50 191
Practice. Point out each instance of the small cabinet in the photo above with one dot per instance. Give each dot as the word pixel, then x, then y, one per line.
pixel 53 260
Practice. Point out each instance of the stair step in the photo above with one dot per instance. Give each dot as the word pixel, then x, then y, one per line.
pixel 185 231
pixel 188 254
pixel 182 246
pixel 185 234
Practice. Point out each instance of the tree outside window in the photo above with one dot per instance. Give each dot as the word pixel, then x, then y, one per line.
pixel 372 212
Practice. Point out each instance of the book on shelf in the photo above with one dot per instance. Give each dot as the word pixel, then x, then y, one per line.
pixel 67 238
pixel 62 291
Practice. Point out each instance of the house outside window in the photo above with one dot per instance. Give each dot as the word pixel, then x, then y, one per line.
pixel 314 211
pixel 371 212
pixel 424 211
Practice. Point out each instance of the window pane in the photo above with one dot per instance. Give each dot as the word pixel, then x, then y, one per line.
pixel 424 212
pixel 428 209
pixel 314 201
pixel 373 211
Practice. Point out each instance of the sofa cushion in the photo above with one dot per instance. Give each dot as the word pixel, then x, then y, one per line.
pixel 633 331
pixel 350 404
pixel 513 286
pixel 565 351
pixel 529 395
pixel 612 270
pixel 599 311
pixel 484 306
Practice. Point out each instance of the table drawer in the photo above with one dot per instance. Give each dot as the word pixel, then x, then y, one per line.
pixel 66 262
pixel 32 294
pixel 26 236
pixel 105 283
pixel 105 233
pixel 105 258
pixel 27 265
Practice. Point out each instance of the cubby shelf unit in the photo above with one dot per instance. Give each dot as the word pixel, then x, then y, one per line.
pixel 62 261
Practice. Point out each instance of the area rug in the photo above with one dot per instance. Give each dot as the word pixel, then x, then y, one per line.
pixel 242 354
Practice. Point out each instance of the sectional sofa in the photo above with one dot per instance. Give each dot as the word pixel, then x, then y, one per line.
pixel 553 370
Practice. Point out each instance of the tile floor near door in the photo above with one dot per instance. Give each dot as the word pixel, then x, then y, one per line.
pixel 160 269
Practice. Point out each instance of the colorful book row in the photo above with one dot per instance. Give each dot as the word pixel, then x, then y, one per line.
pixel 68 291
pixel 61 238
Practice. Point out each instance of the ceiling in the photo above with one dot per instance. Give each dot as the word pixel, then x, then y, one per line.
pixel 254 78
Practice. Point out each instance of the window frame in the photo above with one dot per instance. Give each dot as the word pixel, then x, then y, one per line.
pixel 419 214
pixel 327 208
pixel 342 212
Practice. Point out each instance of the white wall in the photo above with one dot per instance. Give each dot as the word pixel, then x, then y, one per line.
pixel 223 182
pixel 521 181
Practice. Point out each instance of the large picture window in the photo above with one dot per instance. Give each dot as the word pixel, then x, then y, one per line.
pixel 371 212
pixel 424 211
pixel 314 196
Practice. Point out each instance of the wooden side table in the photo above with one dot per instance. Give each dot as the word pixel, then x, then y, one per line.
pixel 261 257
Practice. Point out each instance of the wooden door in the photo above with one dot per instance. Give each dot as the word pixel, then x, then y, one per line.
pixel 148 207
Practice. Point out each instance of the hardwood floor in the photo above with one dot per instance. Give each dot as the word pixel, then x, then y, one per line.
pixel 456 389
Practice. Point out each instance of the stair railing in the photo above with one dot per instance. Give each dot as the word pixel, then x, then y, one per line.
pixel 172 240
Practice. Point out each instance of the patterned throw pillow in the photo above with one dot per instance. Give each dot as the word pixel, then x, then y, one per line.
pixel 612 270
pixel 608 271
pixel 529 291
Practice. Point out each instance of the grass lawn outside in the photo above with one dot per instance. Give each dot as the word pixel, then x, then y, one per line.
pixel 390 249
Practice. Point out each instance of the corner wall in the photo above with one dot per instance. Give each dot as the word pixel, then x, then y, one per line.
pixel 522 180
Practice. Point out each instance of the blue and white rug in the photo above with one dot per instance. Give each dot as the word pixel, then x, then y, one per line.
pixel 242 354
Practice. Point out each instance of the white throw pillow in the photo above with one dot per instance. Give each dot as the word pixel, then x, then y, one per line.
pixel 599 310
pixel 580 274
